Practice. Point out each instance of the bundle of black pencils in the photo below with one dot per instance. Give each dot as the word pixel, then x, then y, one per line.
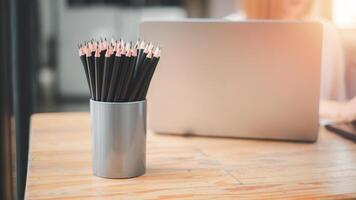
pixel 118 71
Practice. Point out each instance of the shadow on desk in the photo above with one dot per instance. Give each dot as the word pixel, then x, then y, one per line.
pixel 191 135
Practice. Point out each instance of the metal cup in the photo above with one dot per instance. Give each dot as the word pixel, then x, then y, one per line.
pixel 118 138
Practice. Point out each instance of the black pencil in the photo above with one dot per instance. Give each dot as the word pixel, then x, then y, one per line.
pixel 129 74
pixel 148 78
pixel 84 62
pixel 123 57
pixel 106 74
pixel 102 61
pixel 142 73
pixel 141 48
pixel 98 74
pixel 115 74
pixel 109 69
pixel 125 69
pixel 115 69
pixel 144 54
pixel 91 70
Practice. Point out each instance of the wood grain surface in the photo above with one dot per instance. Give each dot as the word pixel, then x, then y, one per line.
pixel 189 167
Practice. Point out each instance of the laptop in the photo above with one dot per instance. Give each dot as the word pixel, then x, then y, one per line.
pixel 252 79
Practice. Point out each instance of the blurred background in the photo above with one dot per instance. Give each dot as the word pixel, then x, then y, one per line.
pixel 61 25
pixel 41 71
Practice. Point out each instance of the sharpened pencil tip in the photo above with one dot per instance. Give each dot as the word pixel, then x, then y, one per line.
pixel 142 45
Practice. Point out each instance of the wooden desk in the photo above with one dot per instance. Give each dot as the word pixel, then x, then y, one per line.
pixel 189 167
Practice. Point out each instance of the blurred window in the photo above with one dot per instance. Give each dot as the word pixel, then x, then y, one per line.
pixel 344 13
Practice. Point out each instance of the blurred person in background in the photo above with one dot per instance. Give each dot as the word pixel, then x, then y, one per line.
pixel 333 61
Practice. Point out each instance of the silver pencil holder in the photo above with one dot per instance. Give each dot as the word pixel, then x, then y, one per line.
pixel 118 138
